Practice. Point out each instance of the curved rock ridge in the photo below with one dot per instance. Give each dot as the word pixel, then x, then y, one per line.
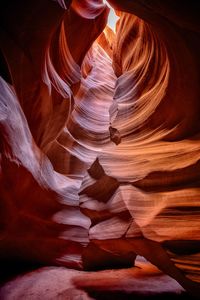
pixel 100 133
pixel 87 130
pixel 90 118
pixel 45 203
pixel 157 153
pixel 24 165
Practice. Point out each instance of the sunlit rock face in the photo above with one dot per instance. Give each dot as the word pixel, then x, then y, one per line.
pixel 99 130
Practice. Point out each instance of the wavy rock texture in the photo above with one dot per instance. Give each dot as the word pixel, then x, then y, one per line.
pixel 99 131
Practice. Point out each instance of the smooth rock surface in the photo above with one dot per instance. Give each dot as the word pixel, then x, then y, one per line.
pixel 60 283
pixel 100 137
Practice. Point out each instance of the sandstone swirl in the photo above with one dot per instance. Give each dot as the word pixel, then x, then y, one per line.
pixel 99 130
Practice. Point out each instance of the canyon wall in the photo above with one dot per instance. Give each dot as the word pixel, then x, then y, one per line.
pixel 99 130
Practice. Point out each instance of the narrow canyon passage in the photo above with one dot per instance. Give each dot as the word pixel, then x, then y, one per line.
pixel 99 130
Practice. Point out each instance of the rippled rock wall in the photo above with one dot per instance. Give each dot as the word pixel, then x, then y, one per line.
pixel 99 130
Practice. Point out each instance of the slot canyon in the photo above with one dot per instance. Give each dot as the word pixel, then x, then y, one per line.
pixel 99 149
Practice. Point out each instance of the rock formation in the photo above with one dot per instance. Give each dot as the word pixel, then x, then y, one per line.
pixel 99 131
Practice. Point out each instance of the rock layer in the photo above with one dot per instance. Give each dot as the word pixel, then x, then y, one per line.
pixel 99 131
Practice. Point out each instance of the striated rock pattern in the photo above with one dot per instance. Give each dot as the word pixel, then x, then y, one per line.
pixel 100 132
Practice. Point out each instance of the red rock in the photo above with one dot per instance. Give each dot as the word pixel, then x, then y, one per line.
pixel 100 135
